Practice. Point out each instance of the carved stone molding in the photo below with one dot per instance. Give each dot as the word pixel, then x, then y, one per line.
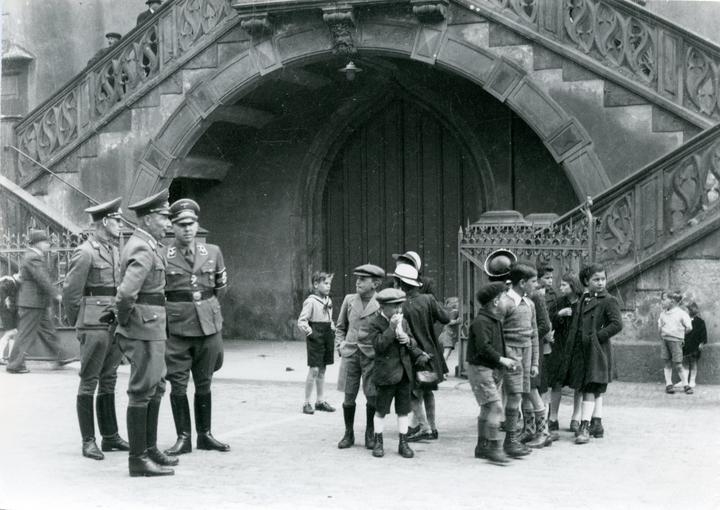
pixel 256 24
pixel 341 22
pixel 430 11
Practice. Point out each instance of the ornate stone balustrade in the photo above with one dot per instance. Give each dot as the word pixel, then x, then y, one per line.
pixel 658 59
pixel 660 209
pixel 144 57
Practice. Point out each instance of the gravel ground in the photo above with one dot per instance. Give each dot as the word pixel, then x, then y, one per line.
pixel 660 451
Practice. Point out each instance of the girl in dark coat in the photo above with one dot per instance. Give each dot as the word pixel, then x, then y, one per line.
pixel 694 341
pixel 422 311
pixel 556 363
pixel 597 320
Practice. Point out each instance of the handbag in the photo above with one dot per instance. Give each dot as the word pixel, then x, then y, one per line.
pixel 426 378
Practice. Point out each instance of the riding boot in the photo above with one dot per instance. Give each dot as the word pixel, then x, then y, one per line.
pixel 152 423
pixel 181 416
pixel 349 416
pixel 203 419
pixel 404 448
pixel 139 463
pixel 86 419
pixel 107 421
pixel 369 427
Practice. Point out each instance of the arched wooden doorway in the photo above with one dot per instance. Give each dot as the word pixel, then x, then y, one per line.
pixel 402 181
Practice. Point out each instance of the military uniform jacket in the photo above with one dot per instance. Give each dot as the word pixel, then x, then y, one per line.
pixel 200 316
pixel 352 327
pixel 142 269
pixel 36 288
pixel 94 264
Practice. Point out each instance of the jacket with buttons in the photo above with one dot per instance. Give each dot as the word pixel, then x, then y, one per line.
pixel 208 274
pixel 95 263
pixel 351 328
pixel 392 359
pixel 36 288
pixel 142 269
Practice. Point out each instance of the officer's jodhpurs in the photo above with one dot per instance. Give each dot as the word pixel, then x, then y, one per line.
pixel 100 357
pixel 147 369
pixel 197 354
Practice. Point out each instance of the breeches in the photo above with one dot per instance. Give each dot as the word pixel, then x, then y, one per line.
pixel 200 355
pixel 147 369
pixel 100 357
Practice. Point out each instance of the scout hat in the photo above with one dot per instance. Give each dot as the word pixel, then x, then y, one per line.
pixel 488 292
pixel 390 296
pixel 157 203
pixel 109 209
pixel 35 236
pixel 184 211
pixel 407 274
pixel 370 270
pixel 409 257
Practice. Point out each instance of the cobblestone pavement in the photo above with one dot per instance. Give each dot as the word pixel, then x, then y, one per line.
pixel 660 451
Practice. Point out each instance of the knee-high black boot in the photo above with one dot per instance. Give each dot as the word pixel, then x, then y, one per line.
pixel 369 426
pixel 86 420
pixel 203 420
pixel 152 423
pixel 181 415
pixel 139 463
pixel 107 421
pixel 348 438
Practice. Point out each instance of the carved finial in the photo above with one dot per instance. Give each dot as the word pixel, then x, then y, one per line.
pixel 341 22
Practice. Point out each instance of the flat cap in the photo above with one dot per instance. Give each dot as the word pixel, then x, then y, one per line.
pixel 488 292
pixel 409 257
pixel 408 274
pixel 390 296
pixel 157 203
pixel 369 270
pixel 113 35
pixel 109 209
pixel 150 2
pixel 184 210
pixel 35 236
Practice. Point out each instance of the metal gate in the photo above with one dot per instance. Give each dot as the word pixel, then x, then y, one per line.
pixel 536 238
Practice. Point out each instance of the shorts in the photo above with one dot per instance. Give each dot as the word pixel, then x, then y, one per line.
pixel 400 392
pixel 353 368
pixel 671 350
pixel 518 381
pixel 595 388
pixel 320 345
pixel 486 383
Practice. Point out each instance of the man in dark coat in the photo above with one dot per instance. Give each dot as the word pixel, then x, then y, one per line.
pixel 90 286
pixel 195 279
pixel 37 293
pixel 141 333
pixel 112 39
pixel 153 6
pixel 395 353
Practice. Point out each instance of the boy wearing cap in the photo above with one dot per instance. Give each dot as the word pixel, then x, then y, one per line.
pixel 357 352
pixel 37 293
pixel 317 323
pixel 521 345
pixel 141 333
pixel 396 352
pixel 195 279
pixel 487 363
pixel 90 286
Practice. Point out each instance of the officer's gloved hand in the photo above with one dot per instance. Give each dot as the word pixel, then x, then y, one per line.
pixel 109 316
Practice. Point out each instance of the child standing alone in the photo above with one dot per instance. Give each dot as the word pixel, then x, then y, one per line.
pixel 694 341
pixel 674 323
pixel 316 322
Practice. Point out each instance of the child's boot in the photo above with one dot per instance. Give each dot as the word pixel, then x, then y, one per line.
pixel 494 453
pixel 583 436
pixel 554 430
pixel 541 438
pixel 596 428
pixel 528 431
pixel 404 448
pixel 479 447
pixel 575 427
pixel 369 427
pixel 378 450
pixel 513 447
pixel 349 415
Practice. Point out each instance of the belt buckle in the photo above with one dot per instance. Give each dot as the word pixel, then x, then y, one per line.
pixel 197 295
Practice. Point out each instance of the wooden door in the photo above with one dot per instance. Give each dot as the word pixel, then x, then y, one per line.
pixel 403 181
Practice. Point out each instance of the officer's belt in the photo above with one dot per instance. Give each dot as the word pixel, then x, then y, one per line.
pixel 145 298
pixel 100 291
pixel 175 296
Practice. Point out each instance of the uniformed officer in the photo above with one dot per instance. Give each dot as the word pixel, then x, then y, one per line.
pixel 141 333
pixel 89 288
pixel 196 278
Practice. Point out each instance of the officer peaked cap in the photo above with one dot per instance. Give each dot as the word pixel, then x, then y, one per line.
pixel 109 209
pixel 370 270
pixel 183 210
pixel 390 296
pixel 157 203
